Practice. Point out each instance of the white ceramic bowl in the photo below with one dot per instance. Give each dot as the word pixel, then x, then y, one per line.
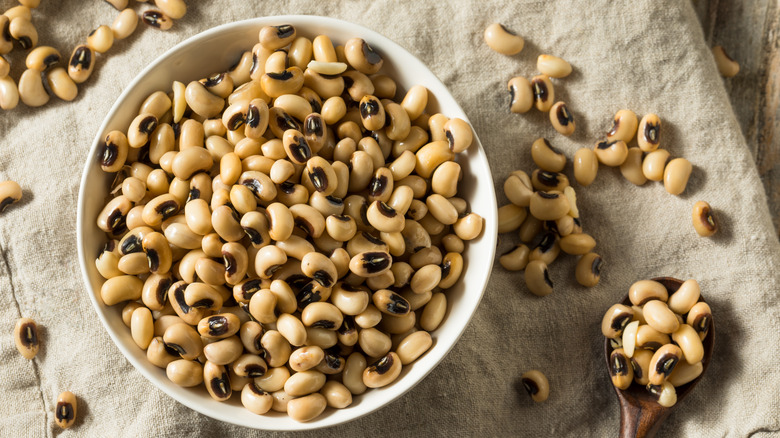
pixel 217 49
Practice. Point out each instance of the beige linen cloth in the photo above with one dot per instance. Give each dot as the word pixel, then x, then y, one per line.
pixel 646 55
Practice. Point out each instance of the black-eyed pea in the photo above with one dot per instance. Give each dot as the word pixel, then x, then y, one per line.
pixel 26 337
pixel 226 224
pixel 624 126
pixel 60 84
pixel 620 369
pixel 518 188
pixel 101 39
pixel 689 342
pixel 536 384
pixel 654 164
pixel 39 59
pixel 361 56
pixel 458 134
pixel 433 312
pixel 704 221
pixel 588 269
pixel 549 181
pixel 236 261
pixel 9 92
pixel 502 40
pixel 353 373
pixel 521 95
pixel 190 161
pixel 660 317
pixel 468 227
pixel 372 113
pixel 370 263
pixel 142 327
pixel 643 291
pixel 544 93
pixel 452 243
pixel 382 372
pixel 615 320
pixel 650 338
pixel 727 67
pixel 306 408
pixel 684 373
pixel 685 297
pixel 401 199
pixel 333 110
pixel 700 318
pixel 324 85
pixel 432 225
pixel 510 216
pixel 577 244
pixel 198 216
pixel 66 409
pixel 291 328
pixel 124 24
pixel 649 133
pixel 553 66
pixel 156 19
pixel 217 381
pixel 451 270
pixel 260 184
pixel 11 192
pixel 369 317
pixel 546 156
pixel 159 354
pixel 663 363
pixel 182 338
pixel 676 175
pixel 547 250
pixel 276 37
pixel 257 119
pixel 586 166
pixel 515 259
pixel 632 167
pixel 280 400
pixel 121 288
pixel 611 153
pixel 256 400
pixel 277 352
pixel 224 351
pixel 336 394
pixel 249 365
pixel 548 206
pixel 185 373
pixel 31 89
pixel 288 81
pixel 415 101
pixel 158 253
pixel 203 296
pixel 562 119
pixel 304 383
pixel 20 28
pixel 397 119
pixel 202 101
pixel 210 271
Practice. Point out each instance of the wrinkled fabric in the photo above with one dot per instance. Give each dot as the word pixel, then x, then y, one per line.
pixel 648 57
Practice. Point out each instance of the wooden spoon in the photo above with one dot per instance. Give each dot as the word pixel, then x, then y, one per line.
pixel 640 414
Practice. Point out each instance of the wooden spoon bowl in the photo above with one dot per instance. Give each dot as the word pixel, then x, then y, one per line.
pixel 640 413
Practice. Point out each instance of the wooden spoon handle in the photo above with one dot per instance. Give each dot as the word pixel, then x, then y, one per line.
pixel 641 419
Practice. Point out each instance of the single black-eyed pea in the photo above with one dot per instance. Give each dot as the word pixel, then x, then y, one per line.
pixel 306 408
pixel 26 337
pixel 458 134
pixel 676 175
pixel 182 338
pixel 124 24
pixel 361 56
pixel 502 40
pixel 11 192
pixel 256 400
pixel 704 221
pixel 682 300
pixel 546 156
pixel 649 133
pixel 547 250
pixel 325 86
pixel 236 261
pixel 121 288
pixel 268 260
pixel 433 312
pixel 632 167
pixel 562 119
pixel 510 217
pixel 142 327
pixel 134 264
pixel 654 164
pixel 226 223
pixel 370 263
pixel 156 19
pixel 537 278
pixel 684 373
pixel 217 381
pixel 689 342
pixel 620 369
pixel 660 317
pixel 20 28
pixel 536 384
pixel 280 221
pixel 553 66
pixel 66 409
pixel 549 206
pixel 518 188
pixel 397 120
pixel 544 93
pixel 727 67
pixel 549 181
pixel 372 112
pixel 430 156
pixel 304 383
pixel 39 59
pixel 60 84
pixel 468 227
pixel 588 269
pixel 277 352
pixel 276 37
pixel 516 258
pixel 291 328
pixel 521 95
pixel 586 166
pixel 158 253
pixel 663 363
pixel 577 243
pixel 159 354
pixel 249 365
pixel 611 153
pixel 202 295
pixel 202 101
pixel 288 81
pixel 198 216
pixel 185 373
pixel 101 39
pixel 615 320
pixel 642 291
pixel 257 119
pixel 624 126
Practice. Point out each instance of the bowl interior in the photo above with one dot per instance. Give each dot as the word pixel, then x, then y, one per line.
pixel 217 50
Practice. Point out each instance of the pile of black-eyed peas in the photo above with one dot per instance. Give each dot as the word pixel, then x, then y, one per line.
pixel 44 76
pixel 288 228
pixel 657 341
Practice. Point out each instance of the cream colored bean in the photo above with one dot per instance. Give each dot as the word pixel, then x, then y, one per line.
pixel 549 206
pixel 643 291
pixel 536 384
pixel 510 217
pixel 624 126
pixel 101 39
pixel 142 327
pixel 660 317
pixel 82 63
pixel 31 89
pixel 704 221
pixel 577 243
pixel 156 19
pixel 304 383
pixel 685 297
pixel 518 188
pixel 40 58
pixel 66 410
pixel 562 119
pixel 185 373
pixel 553 66
pixel 433 313
pixel 382 372
pixel 502 40
pixel 23 31
pixel 663 363
pixel 676 175
pixel 632 167
pixel 611 153
pixel 413 346
pixel 588 270
pixel 124 24
pixel 649 133
pixel 544 93
pixel 468 227
pixel 172 8
pixel 9 93
pixel 537 278
pixel 546 156
pixel 654 164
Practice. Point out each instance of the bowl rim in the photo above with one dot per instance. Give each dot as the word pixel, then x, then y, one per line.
pixel 488 232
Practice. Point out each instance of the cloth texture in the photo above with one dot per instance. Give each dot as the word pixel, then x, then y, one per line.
pixel 648 56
